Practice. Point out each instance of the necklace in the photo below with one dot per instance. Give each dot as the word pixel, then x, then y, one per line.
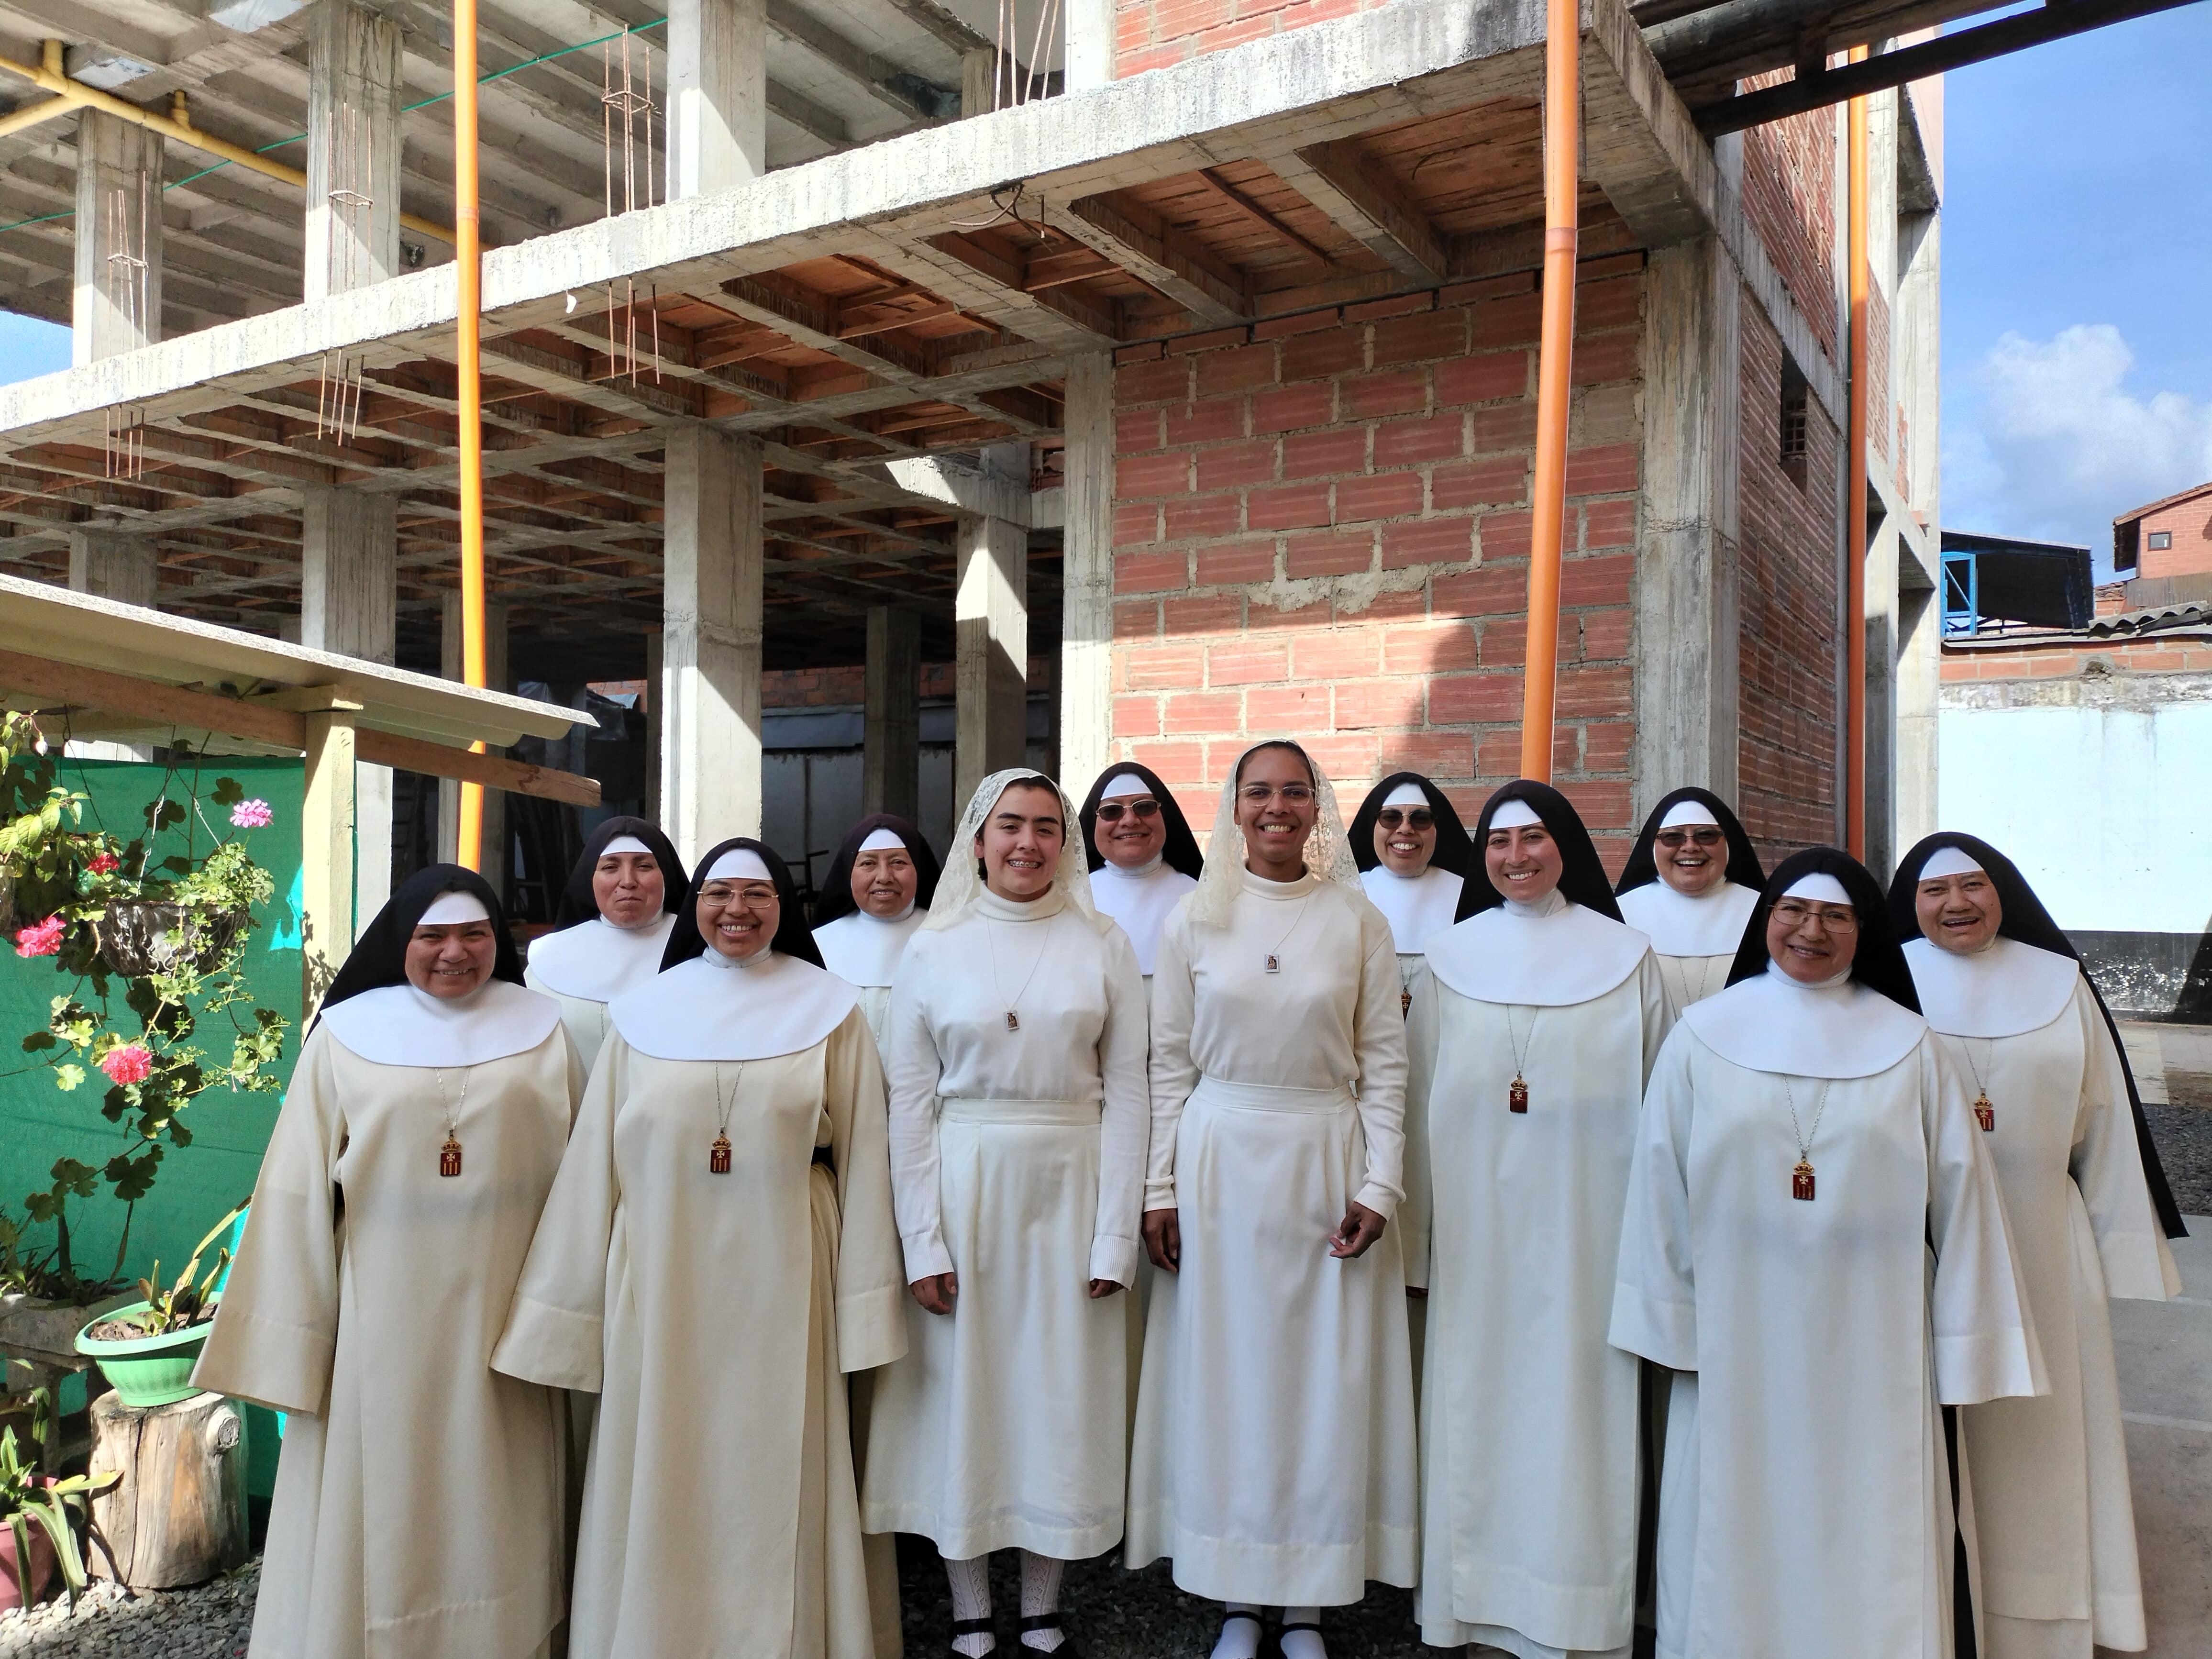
pixel 1801 1178
pixel 718 1155
pixel 1272 963
pixel 1517 1096
pixel 1705 976
pixel 449 1155
pixel 990 933
pixel 1984 1113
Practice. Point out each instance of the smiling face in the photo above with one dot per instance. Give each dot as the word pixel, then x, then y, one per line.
pixel 1405 839
pixel 1130 831
pixel 1524 862
pixel 1019 844
pixel 451 961
pixel 737 915
pixel 628 888
pixel 1959 912
pixel 1692 858
pixel 1811 940
pixel 1276 810
pixel 885 881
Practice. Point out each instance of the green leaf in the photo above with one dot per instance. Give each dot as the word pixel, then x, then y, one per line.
pixel 36 1041
pixel 227 792
pixel 68 1076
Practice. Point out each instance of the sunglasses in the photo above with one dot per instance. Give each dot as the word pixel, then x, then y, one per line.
pixel 1421 818
pixel 1110 811
pixel 1675 840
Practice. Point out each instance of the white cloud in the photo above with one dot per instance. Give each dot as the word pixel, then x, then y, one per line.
pixel 2053 443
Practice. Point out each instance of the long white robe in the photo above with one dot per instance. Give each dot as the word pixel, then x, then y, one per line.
pixel 713 1315
pixel 2054 1523
pixel 417 1513
pixel 1017 1162
pixel 1806 1510
pixel 1695 939
pixel 586 967
pixel 864 952
pixel 1140 903
pixel 1274 1449
pixel 1530 1465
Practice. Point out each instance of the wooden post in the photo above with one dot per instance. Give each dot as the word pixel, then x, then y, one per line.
pixel 326 854
pixel 178 1517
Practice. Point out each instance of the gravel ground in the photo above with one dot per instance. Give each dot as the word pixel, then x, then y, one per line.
pixel 209 1622
pixel 2182 1133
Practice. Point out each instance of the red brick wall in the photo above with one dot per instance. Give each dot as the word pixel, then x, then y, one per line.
pixel 2189 523
pixel 1790 195
pixel 1321 529
pixel 1786 752
pixel 2167 654
pixel 1153 34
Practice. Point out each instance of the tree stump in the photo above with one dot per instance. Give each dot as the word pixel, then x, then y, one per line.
pixel 178 1517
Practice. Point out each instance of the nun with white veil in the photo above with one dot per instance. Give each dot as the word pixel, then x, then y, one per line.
pixel 610 928
pixel 882 881
pixel 1274 1458
pixel 1532 1035
pixel 717 1251
pixel 2002 988
pixel 1814 1229
pixel 418 1503
pixel 1413 857
pixel 1018 1117
pixel 1690 885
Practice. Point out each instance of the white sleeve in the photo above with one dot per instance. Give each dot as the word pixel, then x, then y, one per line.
pixel 2108 1166
pixel 912 1068
pixel 1174 1073
pixel 1378 1045
pixel 1424 1026
pixel 1985 1345
pixel 1125 1119
pixel 1655 1296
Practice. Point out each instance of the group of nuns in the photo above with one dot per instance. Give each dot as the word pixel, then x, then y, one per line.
pixel 1096 1191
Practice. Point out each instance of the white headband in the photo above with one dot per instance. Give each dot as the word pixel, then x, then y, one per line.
pixel 625 844
pixel 882 841
pixel 451 909
pixel 1406 794
pixel 1820 886
pixel 1514 814
pixel 1689 815
pixel 1948 861
pixel 1124 783
pixel 739 863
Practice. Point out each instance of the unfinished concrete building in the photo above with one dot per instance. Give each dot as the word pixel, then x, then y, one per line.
pixel 1168 366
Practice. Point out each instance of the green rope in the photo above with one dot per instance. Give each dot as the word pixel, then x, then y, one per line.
pixel 405 109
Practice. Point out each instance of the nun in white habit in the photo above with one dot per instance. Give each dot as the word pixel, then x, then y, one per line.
pixel 1531 1036
pixel 610 928
pixel 1274 1457
pixel 2002 988
pixel 1691 882
pixel 717 1250
pixel 1413 855
pixel 1018 1115
pixel 417 1513
pixel 1142 857
pixel 875 899
pixel 1814 1228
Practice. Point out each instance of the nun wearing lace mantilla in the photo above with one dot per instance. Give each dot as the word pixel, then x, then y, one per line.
pixel 1690 886
pixel 1413 855
pixel 418 1501
pixel 610 927
pixel 2007 999
pixel 1018 1116
pixel 1273 1458
pixel 717 1250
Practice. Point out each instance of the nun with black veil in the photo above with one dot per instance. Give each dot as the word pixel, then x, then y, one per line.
pixel 1141 854
pixel 1531 1035
pixel 610 928
pixel 882 881
pixel 417 1142
pixel 2000 985
pixel 1691 884
pixel 717 1251
pixel 1413 855
pixel 1814 1229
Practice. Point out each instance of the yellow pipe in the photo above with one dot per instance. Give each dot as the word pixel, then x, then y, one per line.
pixel 1855 548
pixel 1554 363
pixel 69 94
pixel 468 257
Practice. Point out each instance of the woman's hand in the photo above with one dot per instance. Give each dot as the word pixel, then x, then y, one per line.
pixel 1163 1239
pixel 1102 1288
pixel 1360 1228
pixel 936 1292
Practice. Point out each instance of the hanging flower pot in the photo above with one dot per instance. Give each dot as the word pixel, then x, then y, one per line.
pixel 138 937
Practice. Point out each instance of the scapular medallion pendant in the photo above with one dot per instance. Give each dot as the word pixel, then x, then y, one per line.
pixel 449 1157
pixel 1984 1113
pixel 1405 1002
pixel 1517 1097
pixel 1012 1023
pixel 1273 966
pixel 1801 1182
pixel 718 1156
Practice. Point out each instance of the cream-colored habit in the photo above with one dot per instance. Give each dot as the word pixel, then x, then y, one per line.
pixel 586 967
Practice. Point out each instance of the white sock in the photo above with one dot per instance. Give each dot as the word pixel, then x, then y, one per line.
pixel 1240 1638
pixel 1041 1594
pixel 1303 1643
pixel 971 1599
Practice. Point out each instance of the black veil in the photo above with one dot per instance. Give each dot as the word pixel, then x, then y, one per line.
pixel 1878 963
pixel 1181 848
pixel 1643 866
pixel 793 936
pixel 1582 879
pixel 379 957
pixel 834 898
pixel 577 903
pixel 1455 852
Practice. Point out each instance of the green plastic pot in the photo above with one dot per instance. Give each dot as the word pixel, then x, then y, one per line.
pixel 146 1371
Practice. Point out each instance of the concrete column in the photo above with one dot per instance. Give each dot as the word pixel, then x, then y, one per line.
pixel 1915 809
pixel 717 96
pixel 1884 556
pixel 1086 619
pixel 117 306
pixel 348 604
pixel 977 68
pixel 492 844
pixel 890 753
pixel 353 148
pixel 991 652
pixel 327 855
pixel 1090 57
pixel 114 566
pixel 652 702
pixel 710 640
pixel 1686 621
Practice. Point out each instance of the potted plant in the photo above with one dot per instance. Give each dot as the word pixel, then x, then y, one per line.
pixel 147 1349
pixel 27 1558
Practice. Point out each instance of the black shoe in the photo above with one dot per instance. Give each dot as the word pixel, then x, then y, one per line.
pixel 1067 1650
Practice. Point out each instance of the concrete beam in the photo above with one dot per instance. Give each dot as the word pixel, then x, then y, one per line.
pixel 353 148
pixel 711 640
pixel 1159 255
pixel 1368 206
pixel 890 753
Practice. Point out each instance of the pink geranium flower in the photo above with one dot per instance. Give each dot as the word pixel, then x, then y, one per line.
pixel 131 1063
pixel 102 864
pixel 250 815
pixel 41 938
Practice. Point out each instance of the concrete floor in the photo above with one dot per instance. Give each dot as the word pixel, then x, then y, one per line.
pixel 2165 1352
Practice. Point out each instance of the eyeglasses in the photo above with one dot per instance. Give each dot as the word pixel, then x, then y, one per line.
pixel 1294 794
pixel 1836 918
pixel 1675 839
pixel 1421 818
pixel 723 892
pixel 1110 811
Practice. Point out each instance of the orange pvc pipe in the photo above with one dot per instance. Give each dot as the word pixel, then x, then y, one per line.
pixel 469 266
pixel 1855 548
pixel 1555 382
